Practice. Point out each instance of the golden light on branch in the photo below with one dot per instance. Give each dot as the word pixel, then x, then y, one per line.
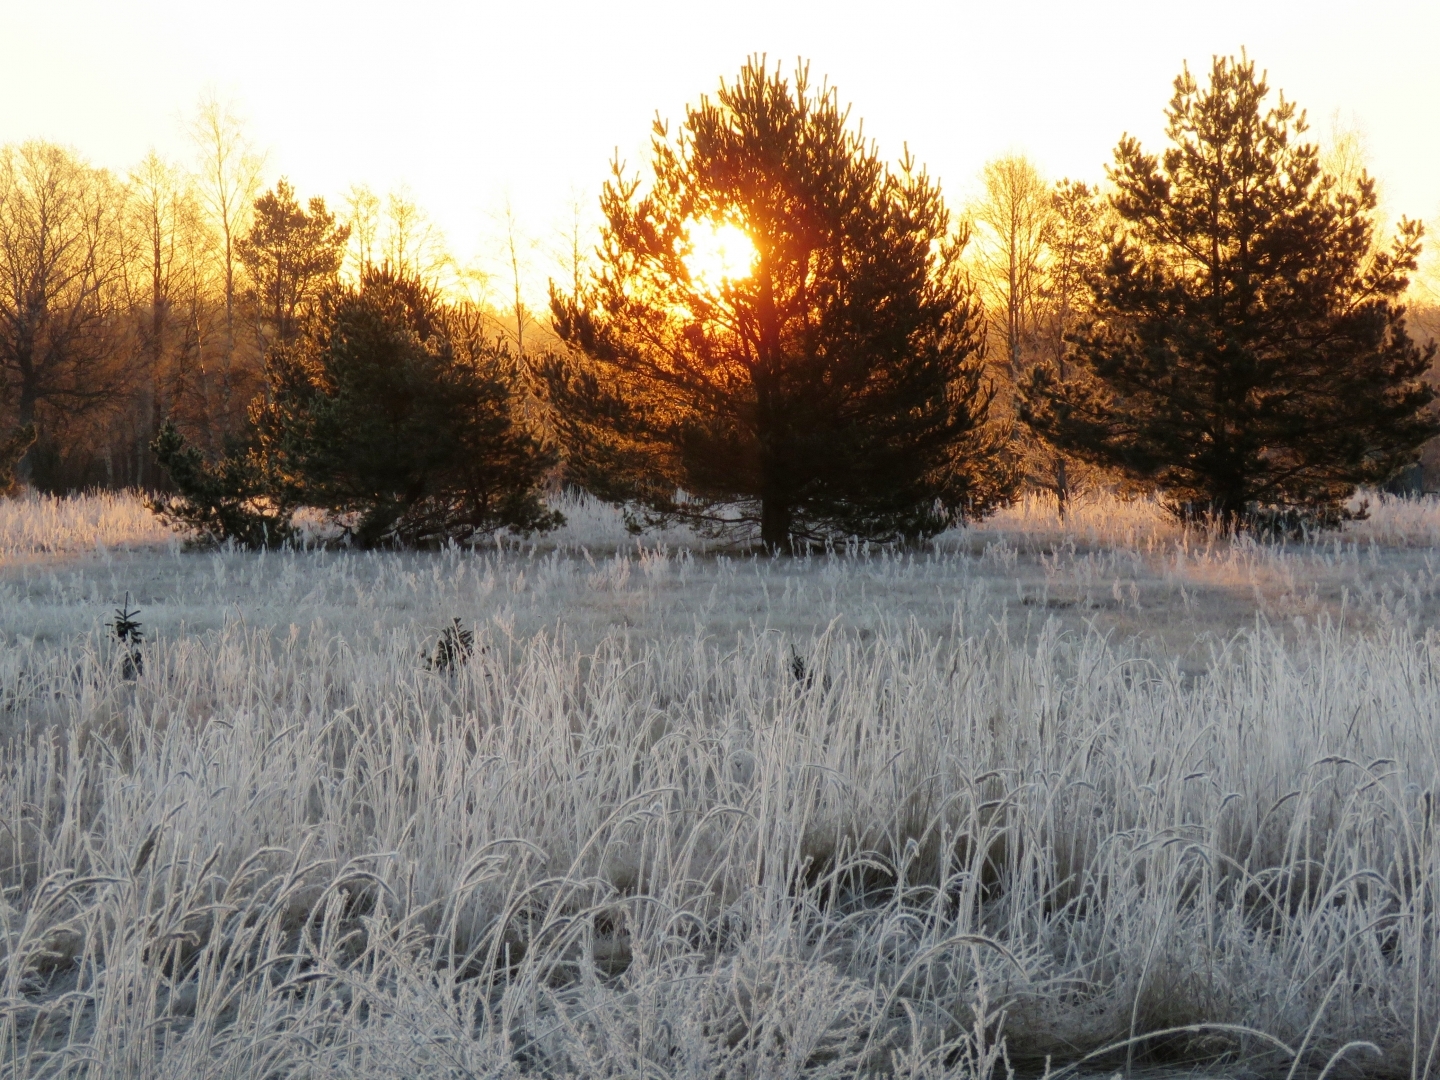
pixel 719 251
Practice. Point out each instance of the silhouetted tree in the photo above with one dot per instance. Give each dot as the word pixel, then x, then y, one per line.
pixel 1245 352
pixel 291 254
pixel 834 389
pixel 227 178
pixel 392 413
pixel 59 261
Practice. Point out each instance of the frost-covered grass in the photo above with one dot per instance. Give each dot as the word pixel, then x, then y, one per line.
pixel 37 525
pixel 1038 789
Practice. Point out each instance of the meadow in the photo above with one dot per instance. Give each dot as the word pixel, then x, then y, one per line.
pixel 1041 796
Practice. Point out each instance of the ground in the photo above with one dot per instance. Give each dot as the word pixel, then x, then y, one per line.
pixel 1038 788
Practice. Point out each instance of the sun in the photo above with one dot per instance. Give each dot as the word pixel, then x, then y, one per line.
pixel 719 251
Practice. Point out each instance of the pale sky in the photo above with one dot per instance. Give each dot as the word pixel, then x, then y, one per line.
pixel 473 103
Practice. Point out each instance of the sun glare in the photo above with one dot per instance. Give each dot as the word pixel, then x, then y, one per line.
pixel 719 252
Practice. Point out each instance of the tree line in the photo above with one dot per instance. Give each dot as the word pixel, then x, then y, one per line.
pixel 1220 322
pixel 126 300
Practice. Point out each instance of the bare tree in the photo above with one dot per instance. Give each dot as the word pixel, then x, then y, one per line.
pixel 1345 155
pixel 569 251
pixel 396 233
pixel 362 215
pixel 1038 245
pixel 514 243
pixel 413 244
pixel 229 171
pixel 1015 219
pixel 1015 224
pixel 59 263
pixel 168 292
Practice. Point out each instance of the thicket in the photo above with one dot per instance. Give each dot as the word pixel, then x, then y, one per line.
pixel 135 298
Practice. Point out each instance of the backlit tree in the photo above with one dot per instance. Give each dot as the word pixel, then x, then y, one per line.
pixel 291 254
pixel 1246 353
pixel 779 332
pixel 59 267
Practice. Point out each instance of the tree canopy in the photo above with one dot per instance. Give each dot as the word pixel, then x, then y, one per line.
pixel 1245 351
pixel 832 386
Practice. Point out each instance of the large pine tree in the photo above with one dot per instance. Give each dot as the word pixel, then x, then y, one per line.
pixel 833 388
pixel 1246 352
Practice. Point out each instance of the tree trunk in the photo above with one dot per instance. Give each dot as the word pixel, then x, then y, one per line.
pixel 150 396
pixel 25 414
pixel 776 511
pixel 776 517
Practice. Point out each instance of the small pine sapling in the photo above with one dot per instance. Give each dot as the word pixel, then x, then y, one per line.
pixel 453 650
pixel 131 637
pixel 803 673
pixel 798 669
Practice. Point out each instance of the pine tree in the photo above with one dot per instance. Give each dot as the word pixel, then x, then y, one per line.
pixel 393 412
pixel 220 501
pixel 832 388
pixel 291 255
pixel 1246 353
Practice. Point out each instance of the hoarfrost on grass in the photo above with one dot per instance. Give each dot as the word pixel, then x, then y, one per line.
pixel 1037 789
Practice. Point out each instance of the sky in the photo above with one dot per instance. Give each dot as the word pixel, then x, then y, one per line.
pixel 474 106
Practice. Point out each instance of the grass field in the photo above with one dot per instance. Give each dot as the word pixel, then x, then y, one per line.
pixel 1035 790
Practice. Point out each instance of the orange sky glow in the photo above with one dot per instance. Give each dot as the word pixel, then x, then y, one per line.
pixel 473 105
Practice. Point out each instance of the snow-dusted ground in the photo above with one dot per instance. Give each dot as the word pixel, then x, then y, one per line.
pixel 1041 786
